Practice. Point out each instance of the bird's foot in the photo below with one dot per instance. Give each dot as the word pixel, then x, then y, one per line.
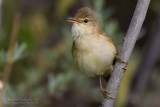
pixel 105 93
pixel 125 68
pixel 119 59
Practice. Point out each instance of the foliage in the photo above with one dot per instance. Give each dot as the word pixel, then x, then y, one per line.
pixel 43 66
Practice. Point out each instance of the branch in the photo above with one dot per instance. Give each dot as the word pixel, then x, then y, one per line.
pixel 10 55
pixel 146 66
pixel 125 52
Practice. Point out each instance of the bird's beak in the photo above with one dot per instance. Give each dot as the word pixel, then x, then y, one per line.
pixel 73 20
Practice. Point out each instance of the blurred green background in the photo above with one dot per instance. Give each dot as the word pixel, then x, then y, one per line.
pixel 43 73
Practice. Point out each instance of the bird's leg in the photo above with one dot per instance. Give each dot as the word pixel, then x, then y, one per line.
pixel 104 91
pixel 119 59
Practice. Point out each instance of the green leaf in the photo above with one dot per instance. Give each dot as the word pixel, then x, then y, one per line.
pixel 19 52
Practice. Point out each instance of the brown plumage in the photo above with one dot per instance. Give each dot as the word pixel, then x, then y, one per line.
pixel 93 50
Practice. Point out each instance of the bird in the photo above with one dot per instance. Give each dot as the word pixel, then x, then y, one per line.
pixel 93 50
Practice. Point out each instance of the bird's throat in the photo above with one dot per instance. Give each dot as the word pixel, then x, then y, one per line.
pixel 80 31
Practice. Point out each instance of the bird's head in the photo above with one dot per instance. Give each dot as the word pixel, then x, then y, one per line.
pixel 85 22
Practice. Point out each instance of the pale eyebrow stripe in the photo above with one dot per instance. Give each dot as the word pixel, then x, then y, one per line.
pixel 84 18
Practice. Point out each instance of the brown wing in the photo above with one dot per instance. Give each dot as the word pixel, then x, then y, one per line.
pixel 110 40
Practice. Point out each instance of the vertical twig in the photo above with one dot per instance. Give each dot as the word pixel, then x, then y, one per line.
pixel 149 60
pixel 125 52
pixel 10 55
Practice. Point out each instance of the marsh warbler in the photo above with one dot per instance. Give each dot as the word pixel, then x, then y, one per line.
pixel 93 50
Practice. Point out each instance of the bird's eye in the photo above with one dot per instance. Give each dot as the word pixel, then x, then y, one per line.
pixel 85 20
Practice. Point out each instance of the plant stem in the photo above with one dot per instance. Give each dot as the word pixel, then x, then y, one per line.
pixel 10 55
pixel 126 50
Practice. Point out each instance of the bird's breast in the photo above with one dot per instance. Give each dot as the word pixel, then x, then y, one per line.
pixel 93 56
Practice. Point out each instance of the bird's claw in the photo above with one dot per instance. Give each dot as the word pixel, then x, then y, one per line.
pixel 119 59
pixel 105 93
